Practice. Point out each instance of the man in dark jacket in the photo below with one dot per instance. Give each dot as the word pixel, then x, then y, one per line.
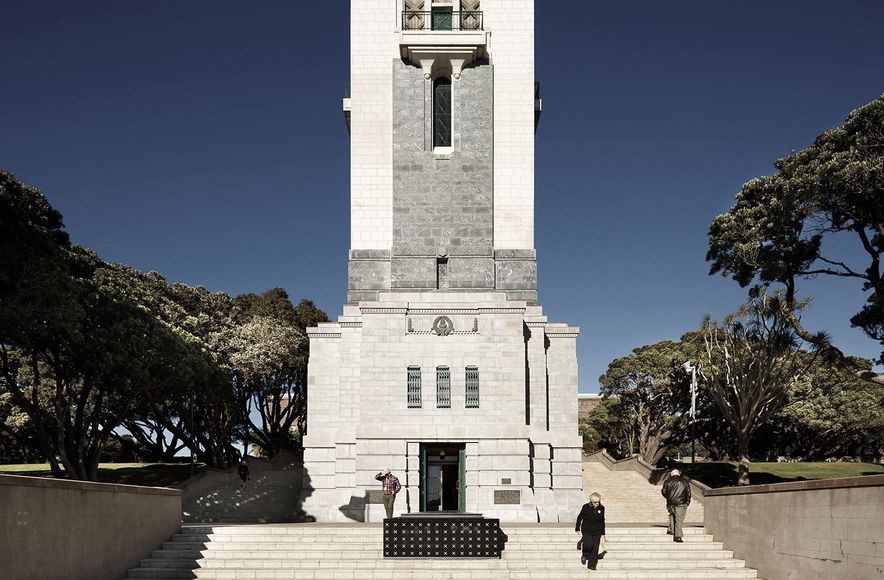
pixel 591 523
pixel 677 491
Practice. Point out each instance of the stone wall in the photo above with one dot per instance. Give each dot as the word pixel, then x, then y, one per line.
pixel 586 403
pixel 61 529
pixel 826 529
pixel 442 203
pixel 522 440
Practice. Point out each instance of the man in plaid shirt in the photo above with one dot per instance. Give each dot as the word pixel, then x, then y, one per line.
pixel 391 488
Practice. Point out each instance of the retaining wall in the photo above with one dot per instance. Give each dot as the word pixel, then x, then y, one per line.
pixel 53 529
pixel 828 529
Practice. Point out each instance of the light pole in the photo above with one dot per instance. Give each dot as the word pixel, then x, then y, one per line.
pixel 192 438
pixel 688 367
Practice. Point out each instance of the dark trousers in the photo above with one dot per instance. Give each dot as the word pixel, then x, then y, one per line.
pixel 591 549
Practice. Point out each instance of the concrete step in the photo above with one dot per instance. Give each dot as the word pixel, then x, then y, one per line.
pixel 578 573
pixel 277 556
pixel 363 529
pixel 376 560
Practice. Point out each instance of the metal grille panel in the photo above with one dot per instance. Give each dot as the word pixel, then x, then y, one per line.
pixel 439 537
pixel 443 388
pixel 472 388
pixel 414 387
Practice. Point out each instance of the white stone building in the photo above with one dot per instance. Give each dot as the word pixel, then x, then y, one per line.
pixel 443 366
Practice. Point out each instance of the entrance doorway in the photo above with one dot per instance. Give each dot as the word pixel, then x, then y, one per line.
pixel 443 485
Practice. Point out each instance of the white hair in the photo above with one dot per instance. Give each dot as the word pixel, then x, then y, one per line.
pixel 386 471
pixel 595 495
pixel 674 472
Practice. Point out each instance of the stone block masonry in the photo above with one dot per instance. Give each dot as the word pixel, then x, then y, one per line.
pixel 829 529
pixel 443 366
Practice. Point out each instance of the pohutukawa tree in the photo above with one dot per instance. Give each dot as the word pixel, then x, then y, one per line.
pixel 781 228
pixel 752 361
pixel 653 390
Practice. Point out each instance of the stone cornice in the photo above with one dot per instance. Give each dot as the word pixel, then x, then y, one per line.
pixel 383 310
pixel 562 332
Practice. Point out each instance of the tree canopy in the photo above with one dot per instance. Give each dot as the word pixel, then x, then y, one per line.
pixel 92 351
pixel 752 360
pixel 783 228
pixel 653 391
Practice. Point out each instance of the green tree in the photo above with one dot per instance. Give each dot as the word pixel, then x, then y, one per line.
pixel 782 228
pixel 81 341
pixel 830 412
pixel 752 361
pixel 608 426
pixel 654 391
pixel 204 413
pixel 267 353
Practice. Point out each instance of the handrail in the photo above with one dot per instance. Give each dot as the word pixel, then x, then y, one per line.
pixel 429 20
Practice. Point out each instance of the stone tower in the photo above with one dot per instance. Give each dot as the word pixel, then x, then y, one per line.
pixel 443 366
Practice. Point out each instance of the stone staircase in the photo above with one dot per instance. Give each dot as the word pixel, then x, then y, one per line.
pixel 533 551
pixel 629 498
pixel 270 496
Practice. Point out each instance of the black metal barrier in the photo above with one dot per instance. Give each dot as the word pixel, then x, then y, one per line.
pixel 462 536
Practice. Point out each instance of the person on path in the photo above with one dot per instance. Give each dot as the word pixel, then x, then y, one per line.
pixel 391 487
pixel 591 523
pixel 243 471
pixel 677 491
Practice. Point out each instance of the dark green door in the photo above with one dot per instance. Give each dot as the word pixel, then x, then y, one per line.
pixel 423 478
pixel 462 481
pixel 442 19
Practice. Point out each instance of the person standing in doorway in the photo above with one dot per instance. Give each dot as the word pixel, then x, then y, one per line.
pixel 591 523
pixel 391 487
pixel 677 491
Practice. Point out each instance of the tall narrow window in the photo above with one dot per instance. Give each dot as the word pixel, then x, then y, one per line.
pixel 441 273
pixel 442 112
pixel 472 389
pixel 414 387
pixel 443 388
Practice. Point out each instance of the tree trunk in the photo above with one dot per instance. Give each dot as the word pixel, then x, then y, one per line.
pixel 743 474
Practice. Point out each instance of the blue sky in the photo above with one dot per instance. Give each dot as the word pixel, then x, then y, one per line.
pixel 205 140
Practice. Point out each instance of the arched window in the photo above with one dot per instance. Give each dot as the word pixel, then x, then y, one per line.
pixel 442 112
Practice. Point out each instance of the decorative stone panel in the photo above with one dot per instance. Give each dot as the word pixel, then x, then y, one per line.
pixel 416 273
pixel 423 324
pixel 516 275
pixel 471 273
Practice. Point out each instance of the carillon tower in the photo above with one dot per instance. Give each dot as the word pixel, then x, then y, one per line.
pixel 442 366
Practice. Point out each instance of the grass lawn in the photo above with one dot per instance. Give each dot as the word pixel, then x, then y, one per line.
pixel 723 474
pixel 151 474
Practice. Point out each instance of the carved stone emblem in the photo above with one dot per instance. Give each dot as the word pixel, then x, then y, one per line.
pixel 443 326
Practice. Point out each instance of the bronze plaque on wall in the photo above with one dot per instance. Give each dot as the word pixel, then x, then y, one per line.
pixel 507 496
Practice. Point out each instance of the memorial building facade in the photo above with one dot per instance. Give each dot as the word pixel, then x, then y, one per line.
pixel 443 366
